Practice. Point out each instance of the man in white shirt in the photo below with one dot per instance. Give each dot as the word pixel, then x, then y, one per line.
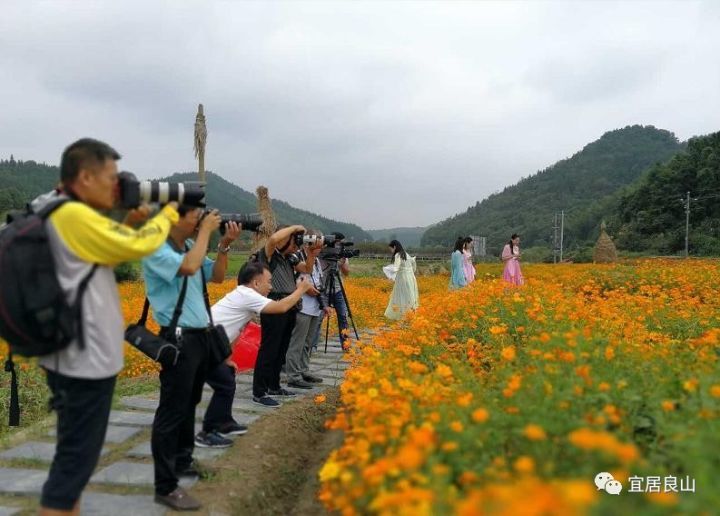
pixel 234 311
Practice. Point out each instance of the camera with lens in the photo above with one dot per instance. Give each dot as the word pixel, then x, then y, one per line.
pixel 333 251
pixel 302 238
pixel 133 192
pixel 295 258
pixel 249 221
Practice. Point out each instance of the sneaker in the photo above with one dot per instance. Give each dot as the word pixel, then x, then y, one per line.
pixel 300 384
pixel 266 401
pixel 282 392
pixel 232 428
pixel 212 440
pixel 312 378
pixel 178 500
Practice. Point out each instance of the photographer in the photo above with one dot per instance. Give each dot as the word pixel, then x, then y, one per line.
pixel 86 245
pixel 336 297
pixel 277 328
pixel 234 311
pixel 307 324
pixel 181 384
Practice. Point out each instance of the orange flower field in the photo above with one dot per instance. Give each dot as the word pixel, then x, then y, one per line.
pixel 491 400
pixel 498 400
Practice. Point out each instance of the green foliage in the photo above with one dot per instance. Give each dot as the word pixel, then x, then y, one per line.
pixel 127 272
pixel 585 186
pixel 651 215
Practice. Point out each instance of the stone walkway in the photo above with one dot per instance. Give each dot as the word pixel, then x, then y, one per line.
pixel 123 481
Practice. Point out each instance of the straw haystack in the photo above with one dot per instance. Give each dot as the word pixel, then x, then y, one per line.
pixel 269 225
pixel 605 251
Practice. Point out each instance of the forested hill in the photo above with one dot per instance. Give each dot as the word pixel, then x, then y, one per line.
pixel 651 215
pixel 229 198
pixel 21 181
pixel 582 185
pixel 409 237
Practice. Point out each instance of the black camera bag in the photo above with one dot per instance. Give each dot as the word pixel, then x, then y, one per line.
pixel 166 350
pixel 219 344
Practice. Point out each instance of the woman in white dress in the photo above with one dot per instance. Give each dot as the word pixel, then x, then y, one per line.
pixel 404 296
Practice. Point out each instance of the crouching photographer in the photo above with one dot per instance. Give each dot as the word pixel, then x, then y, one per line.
pixel 280 254
pixel 175 282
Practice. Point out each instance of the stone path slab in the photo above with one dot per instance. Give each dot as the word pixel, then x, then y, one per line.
pixel 114 435
pixel 140 402
pixel 132 474
pixel 8 511
pixel 101 504
pixel 118 417
pixel 35 450
pixel 21 481
pixel 202 454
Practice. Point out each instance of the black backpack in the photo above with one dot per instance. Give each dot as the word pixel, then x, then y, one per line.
pixel 35 317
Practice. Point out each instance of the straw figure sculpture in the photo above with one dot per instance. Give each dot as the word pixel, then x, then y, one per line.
pixel 269 225
pixel 200 139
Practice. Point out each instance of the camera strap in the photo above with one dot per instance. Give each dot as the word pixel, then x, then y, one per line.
pixel 206 297
pixel 178 306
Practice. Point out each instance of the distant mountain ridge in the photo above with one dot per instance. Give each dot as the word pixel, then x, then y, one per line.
pixel 408 237
pixel 230 198
pixel 22 181
pixel 586 186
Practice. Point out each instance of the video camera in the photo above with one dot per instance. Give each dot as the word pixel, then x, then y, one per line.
pixel 333 252
pixel 133 192
pixel 249 221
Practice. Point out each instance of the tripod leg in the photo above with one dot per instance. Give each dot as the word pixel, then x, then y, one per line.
pixel 347 306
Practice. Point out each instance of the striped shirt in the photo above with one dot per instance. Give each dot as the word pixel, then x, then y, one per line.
pixel 283 275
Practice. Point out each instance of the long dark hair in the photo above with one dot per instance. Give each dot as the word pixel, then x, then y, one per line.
pixel 510 243
pixel 398 249
pixel 459 244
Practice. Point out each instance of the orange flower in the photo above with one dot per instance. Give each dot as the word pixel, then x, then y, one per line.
pixel 524 464
pixel 508 353
pixel 320 398
pixel 480 415
pixel 534 432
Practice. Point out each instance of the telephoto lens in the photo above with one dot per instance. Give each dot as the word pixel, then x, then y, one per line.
pixel 133 192
pixel 249 221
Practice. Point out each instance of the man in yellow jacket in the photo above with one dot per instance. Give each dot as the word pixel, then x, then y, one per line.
pixel 82 378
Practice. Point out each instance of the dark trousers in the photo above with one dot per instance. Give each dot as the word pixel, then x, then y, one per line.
pixel 276 332
pixel 219 411
pixel 341 311
pixel 83 410
pixel 173 430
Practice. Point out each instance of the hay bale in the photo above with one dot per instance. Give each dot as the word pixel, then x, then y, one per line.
pixel 605 250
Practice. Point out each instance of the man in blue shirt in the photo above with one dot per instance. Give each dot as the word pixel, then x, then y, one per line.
pixel 181 385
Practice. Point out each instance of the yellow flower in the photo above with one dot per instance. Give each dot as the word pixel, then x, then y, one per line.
pixel 691 385
pixel 534 432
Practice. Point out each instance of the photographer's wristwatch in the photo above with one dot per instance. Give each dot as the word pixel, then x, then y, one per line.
pixel 222 249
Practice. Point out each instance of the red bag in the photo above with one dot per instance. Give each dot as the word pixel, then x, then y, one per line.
pixel 245 347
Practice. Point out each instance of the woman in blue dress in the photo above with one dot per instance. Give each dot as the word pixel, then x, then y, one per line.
pixel 457 271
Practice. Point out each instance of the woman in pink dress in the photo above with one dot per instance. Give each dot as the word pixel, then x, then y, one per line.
pixel 468 266
pixel 511 257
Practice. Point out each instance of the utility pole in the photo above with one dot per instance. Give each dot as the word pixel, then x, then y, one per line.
pixel 687 225
pixel 555 237
pixel 562 232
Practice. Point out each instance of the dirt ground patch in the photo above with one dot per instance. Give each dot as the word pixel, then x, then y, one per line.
pixel 273 468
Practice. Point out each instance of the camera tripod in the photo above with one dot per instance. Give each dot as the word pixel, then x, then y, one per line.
pixel 333 279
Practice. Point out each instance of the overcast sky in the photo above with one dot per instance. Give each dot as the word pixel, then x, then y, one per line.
pixel 380 113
